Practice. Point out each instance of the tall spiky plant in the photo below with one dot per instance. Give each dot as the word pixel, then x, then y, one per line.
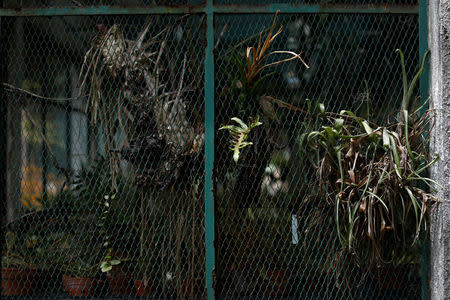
pixel 373 177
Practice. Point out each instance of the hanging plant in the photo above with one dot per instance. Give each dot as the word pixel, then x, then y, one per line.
pixel 239 134
pixel 374 178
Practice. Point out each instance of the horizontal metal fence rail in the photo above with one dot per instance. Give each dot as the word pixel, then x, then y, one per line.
pixel 217 9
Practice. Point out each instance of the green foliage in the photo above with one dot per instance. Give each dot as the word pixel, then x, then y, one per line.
pixel 95 180
pixel 75 247
pixel 239 134
pixel 409 90
pixel 256 57
pixel 373 177
pixel 30 249
pixel 252 65
pixel 108 262
pixel 14 255
pixel 77 255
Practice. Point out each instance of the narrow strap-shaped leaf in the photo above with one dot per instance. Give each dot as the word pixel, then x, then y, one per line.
pixel 414 203
pixel 408 91
pixel 435 160
pixel 341 169
pixel 336 217
pixel 240 122
pixel 408 146
pixel 413 83
pixel 398 166
pixel 404 79
pixel 366 127
pixel 379 199
pixel 385 138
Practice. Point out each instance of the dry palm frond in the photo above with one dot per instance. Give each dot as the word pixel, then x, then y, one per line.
pixel 102 63
pixel 128 94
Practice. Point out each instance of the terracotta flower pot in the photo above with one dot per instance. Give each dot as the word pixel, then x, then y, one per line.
pixel 120 285
pixel 275 282
pixel 142 289
pixel 78 286
pixel 18 282
pixel 193 287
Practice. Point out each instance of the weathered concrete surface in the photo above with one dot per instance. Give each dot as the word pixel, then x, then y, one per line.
pixel 439 42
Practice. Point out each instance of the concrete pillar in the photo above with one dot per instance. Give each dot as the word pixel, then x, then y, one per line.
pixel 439 44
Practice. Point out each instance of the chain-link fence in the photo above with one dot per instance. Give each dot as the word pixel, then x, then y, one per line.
pixel 113 185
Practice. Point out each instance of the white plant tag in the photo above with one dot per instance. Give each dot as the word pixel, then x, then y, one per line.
pixel 294 230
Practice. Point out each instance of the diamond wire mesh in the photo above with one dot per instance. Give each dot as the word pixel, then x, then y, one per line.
pixel 352 66
pixel 113 176
pixel 78 3
pixel 138 141
pixel 326 2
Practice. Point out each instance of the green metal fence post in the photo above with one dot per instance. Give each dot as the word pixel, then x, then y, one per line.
pixel 424 93
pixel 209 149
pixel 3 141
pixel 423 47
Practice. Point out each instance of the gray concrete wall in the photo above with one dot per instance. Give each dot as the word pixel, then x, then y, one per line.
pixel 439 43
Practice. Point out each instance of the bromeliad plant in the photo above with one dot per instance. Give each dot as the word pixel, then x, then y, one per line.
pixel 244 96
pixel 256 59
pixel 374 177
pixel 252 67
pixel 240 134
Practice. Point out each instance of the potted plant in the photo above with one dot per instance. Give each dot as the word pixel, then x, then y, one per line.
pixel 244 183
pixel 274 281
pixel 119 281
pixel 78 278
pixel 144 281
pixel 96 228
pixel 18 273
pixel 146 263
pixel 78 262
pixel 78 285
pixel 373 179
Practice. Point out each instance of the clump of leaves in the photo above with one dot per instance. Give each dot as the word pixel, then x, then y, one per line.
pixel 134 103
pixel 12 256
pixel 374 177
pixel 255 60
pixel 108 261
pixel 239 134
pixel 255 57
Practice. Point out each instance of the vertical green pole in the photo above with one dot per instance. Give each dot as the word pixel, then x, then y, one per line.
pixel 423 47
pixel 424 93
pixel 3 130
pixel 209 149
